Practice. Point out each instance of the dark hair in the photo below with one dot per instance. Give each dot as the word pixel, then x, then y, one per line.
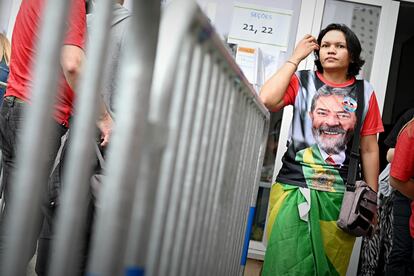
pixel 353 45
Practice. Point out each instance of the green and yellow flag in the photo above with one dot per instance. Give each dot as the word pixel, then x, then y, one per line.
pixel 298 247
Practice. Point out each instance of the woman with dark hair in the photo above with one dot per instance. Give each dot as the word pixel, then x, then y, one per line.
pixel 353 45
pixel 303 238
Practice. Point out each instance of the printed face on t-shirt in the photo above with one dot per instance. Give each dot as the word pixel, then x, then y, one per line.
pixel 332 124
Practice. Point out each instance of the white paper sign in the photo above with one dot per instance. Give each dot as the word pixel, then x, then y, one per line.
pixel 249 60
pixel 260 25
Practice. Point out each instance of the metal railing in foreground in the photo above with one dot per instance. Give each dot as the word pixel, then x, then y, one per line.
pixel 184 162
pixel 215 130
pixel 22 222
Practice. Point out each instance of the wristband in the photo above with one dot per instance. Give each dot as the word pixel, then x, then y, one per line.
pixel 291 62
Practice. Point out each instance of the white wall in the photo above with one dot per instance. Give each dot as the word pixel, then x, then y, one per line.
pixel 128 4
pixel 9 11
pixel 224 10
pixel 4 15
pixel 8 14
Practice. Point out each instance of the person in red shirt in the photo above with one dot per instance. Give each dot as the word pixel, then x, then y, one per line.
pixel 401 178
pixel 17 97
pixel 396 212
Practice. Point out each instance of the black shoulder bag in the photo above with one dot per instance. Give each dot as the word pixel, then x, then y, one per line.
pixel 359 205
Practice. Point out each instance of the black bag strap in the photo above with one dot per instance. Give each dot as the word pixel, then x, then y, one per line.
pixel 354 158
pixel 101 159
pixel 318 82
pixel 303 76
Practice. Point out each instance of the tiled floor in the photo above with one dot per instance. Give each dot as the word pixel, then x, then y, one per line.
pixel 253 268
pixel 31 268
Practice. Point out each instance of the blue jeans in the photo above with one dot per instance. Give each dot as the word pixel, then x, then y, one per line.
pixel 11 118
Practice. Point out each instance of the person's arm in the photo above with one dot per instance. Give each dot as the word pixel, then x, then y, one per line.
pixel 104 124
pixel 274 89
pixel 402 166
pixel 72 59
pixel 390 154
pixel 404 187
pixel 370 160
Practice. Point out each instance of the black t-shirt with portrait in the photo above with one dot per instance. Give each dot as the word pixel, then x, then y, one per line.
pixel 320 137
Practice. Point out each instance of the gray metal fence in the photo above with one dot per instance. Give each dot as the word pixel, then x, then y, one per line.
pixel 184 162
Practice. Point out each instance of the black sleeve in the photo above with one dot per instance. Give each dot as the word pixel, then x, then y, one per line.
pixel 391 139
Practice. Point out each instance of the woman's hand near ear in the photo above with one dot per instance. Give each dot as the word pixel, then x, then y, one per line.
pixel 274 89
pixel 307 45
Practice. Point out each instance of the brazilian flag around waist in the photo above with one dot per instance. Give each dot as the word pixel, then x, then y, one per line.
pixel 303 240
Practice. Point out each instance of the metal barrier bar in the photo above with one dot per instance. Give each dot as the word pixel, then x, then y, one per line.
pixel 232 191
pixel 210 76
pixel 259 144
pixel 254 155
pixel 192 248
pixel 71 215
pixel 209 170
pixel 237 198
pixel 251 180
pixel 210 174
pixel 166 169
pixel 249 176
pixel 30 178
pixel 214 182
pixel 247 236
pixel 161 256
pixel 113 220
pixel 184 159
pixel 248 190
pixel 240 189
pixel 239 203
pixel 176 265
pixel 211 255
pixel 3 84
pixel 157 153
pixel 222 192
pixel 177 195
pixel 184 227
pixel 262 144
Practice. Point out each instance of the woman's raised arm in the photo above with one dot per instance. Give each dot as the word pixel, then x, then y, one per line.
pixel 274 89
